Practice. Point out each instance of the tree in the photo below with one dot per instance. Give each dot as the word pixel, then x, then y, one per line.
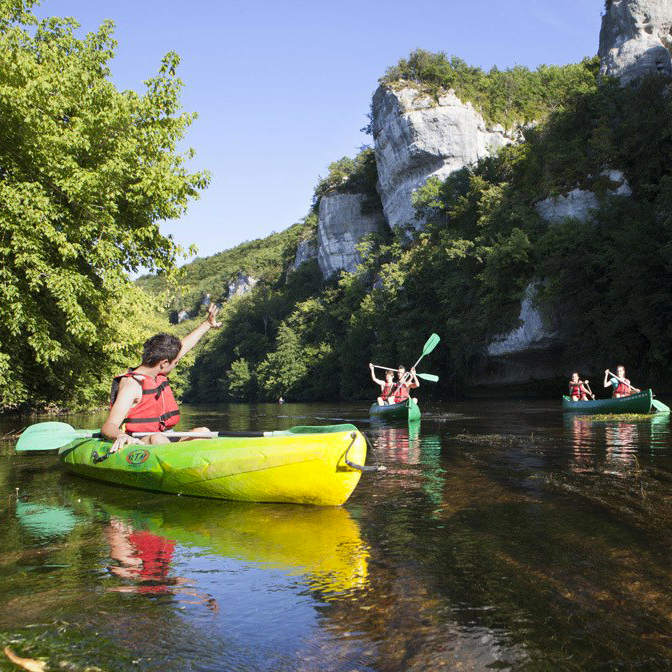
pixel 87 173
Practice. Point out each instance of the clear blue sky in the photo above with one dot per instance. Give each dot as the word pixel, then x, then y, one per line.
pixel 282 88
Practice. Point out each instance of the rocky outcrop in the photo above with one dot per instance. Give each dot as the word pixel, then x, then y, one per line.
pixel 305 251
pixel 577 204
pixel 417 137
pixel 241 284
pixel 635 39
pixel 341 227
pixel 581 203
pixel 529 353
pixel 534 333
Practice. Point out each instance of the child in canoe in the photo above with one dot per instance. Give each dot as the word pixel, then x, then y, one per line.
pixel 406 381
pixel 141 399
pixel 621 386
pixel 577 391
pixel 386 386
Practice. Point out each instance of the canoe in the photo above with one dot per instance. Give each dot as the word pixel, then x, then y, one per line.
pixel 302 465
pixel 635 403
pixel 406 411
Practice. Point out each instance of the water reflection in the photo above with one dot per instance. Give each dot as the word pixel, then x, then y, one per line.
pixel 323 546
pixel 621 441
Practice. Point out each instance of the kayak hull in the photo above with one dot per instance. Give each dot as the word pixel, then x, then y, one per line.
pixel 635 403
pixel 406 411
pixel 301 468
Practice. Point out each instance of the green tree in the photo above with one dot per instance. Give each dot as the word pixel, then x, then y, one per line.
pixel 87 173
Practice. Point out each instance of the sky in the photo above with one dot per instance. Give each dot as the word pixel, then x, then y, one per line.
pixel 282 88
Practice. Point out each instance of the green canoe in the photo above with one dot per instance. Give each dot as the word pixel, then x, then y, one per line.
pixel 405 411
pixel 635 403
pixel 303 465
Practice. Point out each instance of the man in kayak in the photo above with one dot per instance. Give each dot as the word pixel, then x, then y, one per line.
pixel 577 391
pixel 620 384
pixel 386 386
pixel 141 399
pixel 406 381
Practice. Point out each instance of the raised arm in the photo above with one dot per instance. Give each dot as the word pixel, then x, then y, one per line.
pixel 414 379
pixel 373 376
pixel 190 340
pixel 607 381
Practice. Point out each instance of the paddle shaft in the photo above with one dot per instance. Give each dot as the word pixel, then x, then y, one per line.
pixel 622 380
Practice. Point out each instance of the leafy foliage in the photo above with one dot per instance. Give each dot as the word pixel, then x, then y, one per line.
pixel 86 175
pixel 508 97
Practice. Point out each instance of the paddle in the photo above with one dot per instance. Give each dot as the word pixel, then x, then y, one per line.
pixel 632 387
pixel 430 344
pixel 425 376
pixel 54 435
pixel 590 392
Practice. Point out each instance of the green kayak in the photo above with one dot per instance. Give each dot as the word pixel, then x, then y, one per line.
pixel 405 411
pixel 635 403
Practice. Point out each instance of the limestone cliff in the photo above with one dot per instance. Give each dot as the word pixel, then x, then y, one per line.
pixel 342 225
pixel 417 137
pixel 635 39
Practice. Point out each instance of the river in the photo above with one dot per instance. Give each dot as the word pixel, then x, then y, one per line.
pixel 501 537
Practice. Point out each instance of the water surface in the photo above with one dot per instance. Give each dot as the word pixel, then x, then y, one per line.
pixel 501 536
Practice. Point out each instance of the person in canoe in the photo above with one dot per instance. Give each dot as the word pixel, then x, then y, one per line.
pixel 621 386
pixel 406 381
pixel 141 399
pixel 577 390
pixel 386 386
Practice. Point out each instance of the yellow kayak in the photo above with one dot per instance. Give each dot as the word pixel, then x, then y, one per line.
pixel 303 465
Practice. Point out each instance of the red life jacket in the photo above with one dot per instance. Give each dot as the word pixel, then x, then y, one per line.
pixel 387 389
pixel 623 388
pixel 401 393
pixel 576 391
pixel 157 410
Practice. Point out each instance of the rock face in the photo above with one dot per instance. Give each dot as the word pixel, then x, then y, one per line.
pixel 577 204
pixel 526 354
pixel 241 284
pixel 532 334
pixel 580 203
pixel 635 39
pixel 341 227
pixel 305 251
pixel 417 138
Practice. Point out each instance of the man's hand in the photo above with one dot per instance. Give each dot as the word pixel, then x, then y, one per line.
pixel 212 316
pixel 606 372
pixel 124 440
pixel 371 366
pixel 413 370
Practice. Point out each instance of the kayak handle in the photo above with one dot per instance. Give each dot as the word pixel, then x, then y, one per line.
pixel 365 469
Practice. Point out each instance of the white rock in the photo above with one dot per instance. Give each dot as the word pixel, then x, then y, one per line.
pixel 182 316
pixel 532 334
pixel 305 251
pixel 577 204
pixel 581 203
pixel 340 229
pixel 241 284
pixel 635 39
pixel 417 138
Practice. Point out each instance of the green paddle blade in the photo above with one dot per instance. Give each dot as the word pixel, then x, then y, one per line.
pixel 432 342
pixel 428 376
pixel 46 436
pixel 660 406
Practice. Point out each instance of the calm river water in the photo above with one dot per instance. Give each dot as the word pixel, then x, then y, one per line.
pixel 502 536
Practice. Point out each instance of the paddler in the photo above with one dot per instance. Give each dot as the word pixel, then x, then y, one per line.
pixel 620 384
pixel 141 399
pixel 386 386
pixel 406 381
pixel 577 391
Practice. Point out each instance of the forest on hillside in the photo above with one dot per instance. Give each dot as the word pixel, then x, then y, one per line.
pixel 463 276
